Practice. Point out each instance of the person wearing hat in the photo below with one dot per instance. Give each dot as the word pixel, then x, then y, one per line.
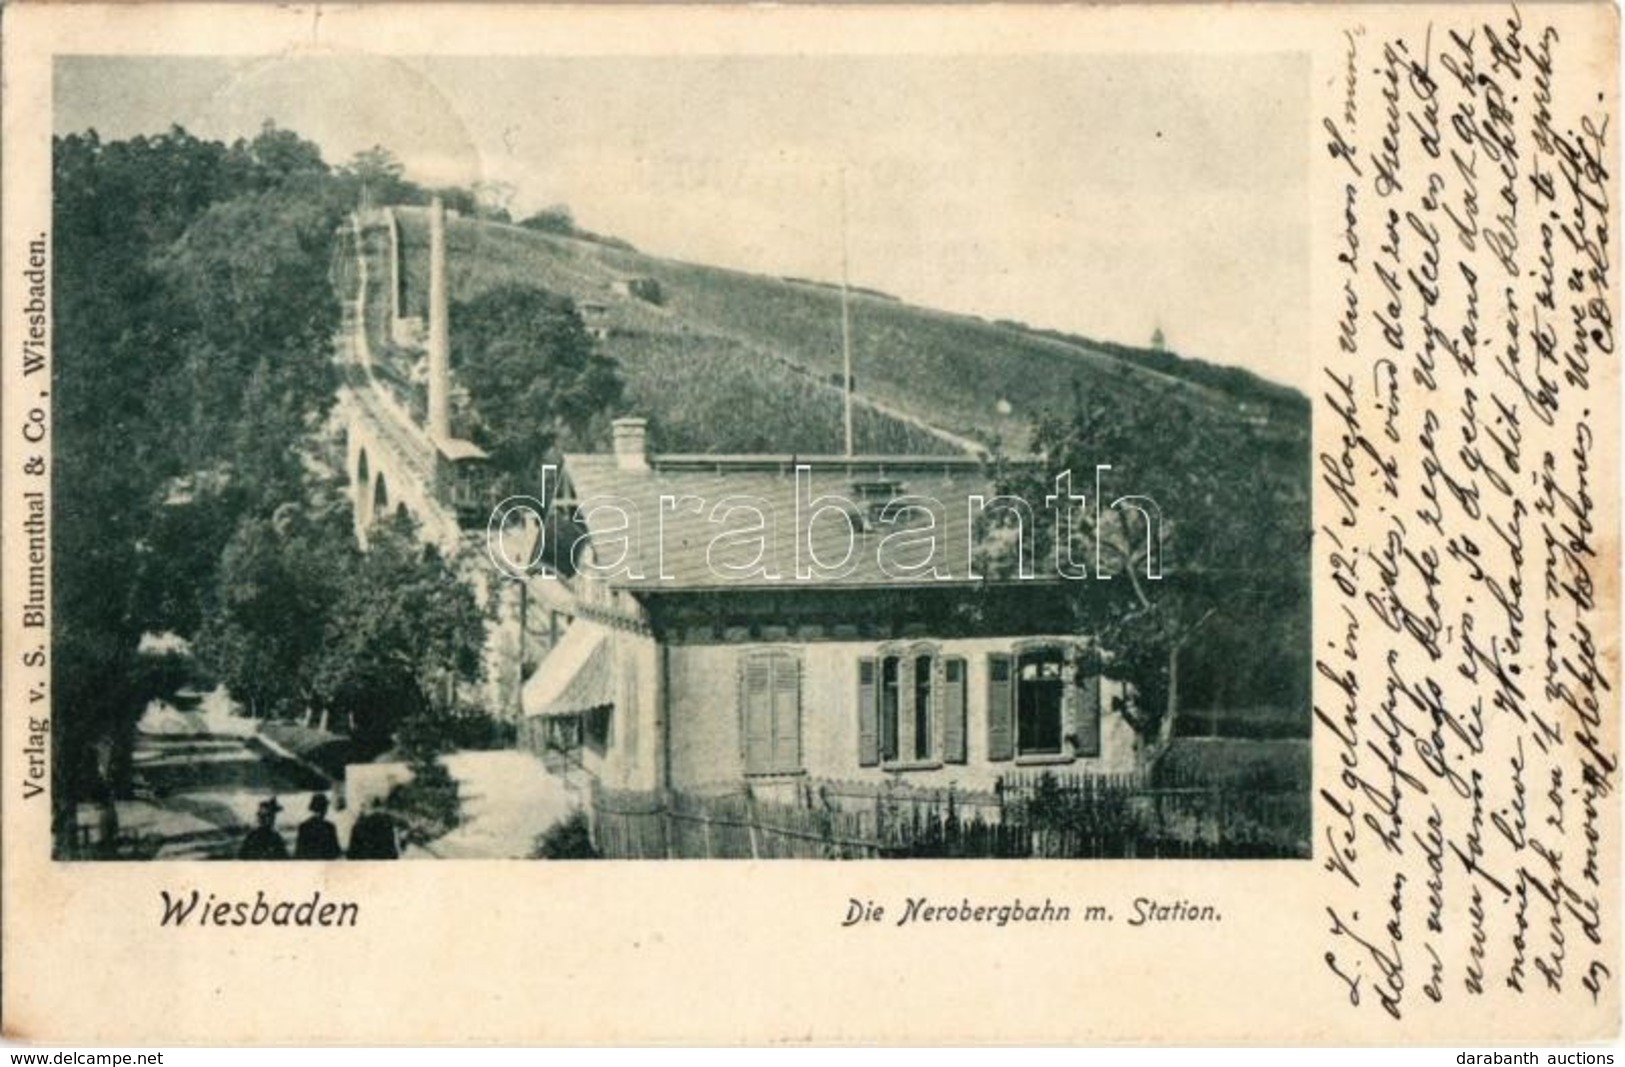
pixel 318 839
pixel 373 835
pixel 263 842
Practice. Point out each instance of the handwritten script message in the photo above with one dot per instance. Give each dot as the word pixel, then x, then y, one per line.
pixel 1466 660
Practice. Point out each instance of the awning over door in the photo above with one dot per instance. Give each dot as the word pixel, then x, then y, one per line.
pixel 576 676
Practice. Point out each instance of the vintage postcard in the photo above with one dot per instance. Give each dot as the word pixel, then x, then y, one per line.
pixel 810 524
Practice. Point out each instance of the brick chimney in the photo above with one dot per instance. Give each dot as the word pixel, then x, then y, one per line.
pixel 632 444
pixel 439 326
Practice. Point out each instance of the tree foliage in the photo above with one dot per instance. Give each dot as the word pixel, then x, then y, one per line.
pixel 306 624
pixel 406 630
pixel 279 579
pixel 559 219
pixel 380 176
pixel 192 377
pixel 249 278
pixel 536 379
pixel 192 332
pixel 556 218
pixel 1230 609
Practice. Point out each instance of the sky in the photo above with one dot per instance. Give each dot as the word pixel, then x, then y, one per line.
pixel 1105 195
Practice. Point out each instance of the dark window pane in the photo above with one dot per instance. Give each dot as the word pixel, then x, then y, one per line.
pixel 922 707
pixel 888 707
pixel 1038 703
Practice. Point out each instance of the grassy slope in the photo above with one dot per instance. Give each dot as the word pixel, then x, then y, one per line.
pixel 740 362
pixel 673 365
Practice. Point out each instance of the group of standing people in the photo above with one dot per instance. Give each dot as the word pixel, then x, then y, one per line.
pixel 371 838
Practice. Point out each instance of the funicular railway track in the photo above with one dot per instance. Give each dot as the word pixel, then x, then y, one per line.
pixel 372 398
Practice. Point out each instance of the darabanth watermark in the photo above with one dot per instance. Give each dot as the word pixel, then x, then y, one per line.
pixel 907 534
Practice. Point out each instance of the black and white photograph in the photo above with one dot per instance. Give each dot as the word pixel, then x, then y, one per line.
pixel 1154 467
pixel 813 457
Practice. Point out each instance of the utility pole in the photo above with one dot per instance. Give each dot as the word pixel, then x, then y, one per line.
pixel 846 324
pixel 531 564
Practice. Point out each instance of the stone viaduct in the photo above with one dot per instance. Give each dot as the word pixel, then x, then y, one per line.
pixel 396 463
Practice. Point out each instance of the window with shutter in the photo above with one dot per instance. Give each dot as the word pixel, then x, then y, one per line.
pixel 1086 735
pixel 868 717
pixel 770 703
pixel 907 691
pixel 757 703
pixel 953 711
pixel 891 684
pixel 922 707
pixel 1000 698
pixel 786 714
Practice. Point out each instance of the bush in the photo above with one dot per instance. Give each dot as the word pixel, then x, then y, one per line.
pixel 1253 724
pixel 1259 766
pixel 1062 816
pixel 428 806
pixel 422 736
pixel 480 731
pixel 555 219
pixel 567 839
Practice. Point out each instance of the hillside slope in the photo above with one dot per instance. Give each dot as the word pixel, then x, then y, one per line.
pixel 726 361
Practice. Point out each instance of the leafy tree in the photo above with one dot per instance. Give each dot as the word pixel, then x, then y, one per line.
pixel 308 625
pixel 380 176
pixel 165 303
pixel 278 158
pixel 1232 555
pixel 250 290
pixel 124 198
pixel 114 204
pixel 279 579
pixel 404 632
pixel 536 380
pixel 456 198
pixel 178 556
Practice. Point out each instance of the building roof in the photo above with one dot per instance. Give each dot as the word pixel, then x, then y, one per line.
pixel 455 448
pixel 685 537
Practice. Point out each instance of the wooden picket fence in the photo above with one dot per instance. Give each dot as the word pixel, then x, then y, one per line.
pixel 629 824
pixel 1136 816
pixel 1027 815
